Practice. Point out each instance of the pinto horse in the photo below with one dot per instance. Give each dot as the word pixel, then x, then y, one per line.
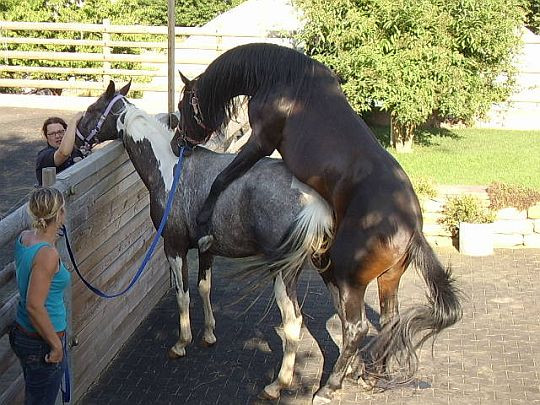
pixel 296 106
pixel 267 215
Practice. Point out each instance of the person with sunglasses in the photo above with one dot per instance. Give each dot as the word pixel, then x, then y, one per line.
pixel 60 151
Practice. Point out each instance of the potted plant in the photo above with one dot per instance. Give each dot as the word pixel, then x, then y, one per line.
pixel 471 222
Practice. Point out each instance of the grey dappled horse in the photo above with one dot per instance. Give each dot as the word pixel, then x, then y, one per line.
pixel 266 214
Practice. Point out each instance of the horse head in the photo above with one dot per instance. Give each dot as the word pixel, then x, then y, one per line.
pixel 192 128
pixel 98 123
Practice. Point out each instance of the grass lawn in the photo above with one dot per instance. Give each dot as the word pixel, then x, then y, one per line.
pixel 472 156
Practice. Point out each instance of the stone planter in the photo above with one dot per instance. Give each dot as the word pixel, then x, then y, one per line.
pixel 475 239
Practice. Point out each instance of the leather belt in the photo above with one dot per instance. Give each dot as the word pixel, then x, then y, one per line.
pixel 35 334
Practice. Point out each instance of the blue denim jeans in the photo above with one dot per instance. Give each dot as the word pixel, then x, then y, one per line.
pixel 42 380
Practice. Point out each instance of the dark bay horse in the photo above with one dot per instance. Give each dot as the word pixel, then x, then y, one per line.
pixel 267 215
pixel 296 106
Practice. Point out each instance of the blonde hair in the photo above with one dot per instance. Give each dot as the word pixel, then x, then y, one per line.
pixel 44 206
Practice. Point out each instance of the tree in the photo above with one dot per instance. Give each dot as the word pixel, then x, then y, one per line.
pixel 416 58
pixel 532 19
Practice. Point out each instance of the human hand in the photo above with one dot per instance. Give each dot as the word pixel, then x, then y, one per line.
pixel 55 355
pixel 75 119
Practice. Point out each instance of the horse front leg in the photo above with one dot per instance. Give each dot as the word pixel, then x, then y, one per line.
pixel 205 286
pixel 245 159
pixel 292 323
pixel 179 268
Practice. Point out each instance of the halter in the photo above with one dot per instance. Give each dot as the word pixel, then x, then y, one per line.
pixel 197 114
pixel 196 110
pixel 87 142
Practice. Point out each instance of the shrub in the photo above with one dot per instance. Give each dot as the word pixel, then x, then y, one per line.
pixel 424 187
pixel 503 195
pixel 465 208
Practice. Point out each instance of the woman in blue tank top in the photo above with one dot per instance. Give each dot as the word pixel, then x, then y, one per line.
pixel 37 335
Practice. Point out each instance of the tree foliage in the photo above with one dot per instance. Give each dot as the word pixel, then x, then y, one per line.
pixel 532 19
pixel 417 58
pixel 189 13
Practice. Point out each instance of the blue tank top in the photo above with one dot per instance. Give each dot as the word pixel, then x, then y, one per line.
pixel 54 304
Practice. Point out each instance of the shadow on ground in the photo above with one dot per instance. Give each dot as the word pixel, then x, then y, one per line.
pixel 422 136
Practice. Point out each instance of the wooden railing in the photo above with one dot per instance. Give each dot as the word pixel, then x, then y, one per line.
pixel 195 49
pixel 110 230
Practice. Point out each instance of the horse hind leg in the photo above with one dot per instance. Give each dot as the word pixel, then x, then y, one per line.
pixel 180 276
pixel 205 285
pixel 292 323
pixel 352 313
pixel 388 284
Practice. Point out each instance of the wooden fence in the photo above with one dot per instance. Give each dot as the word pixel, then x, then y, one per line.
pixel 195 49
pixel 110 229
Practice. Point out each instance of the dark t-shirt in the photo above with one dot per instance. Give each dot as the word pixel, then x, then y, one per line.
pixel 45 158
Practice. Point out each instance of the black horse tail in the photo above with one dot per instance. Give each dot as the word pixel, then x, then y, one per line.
pixel 308 236
pixel 394 350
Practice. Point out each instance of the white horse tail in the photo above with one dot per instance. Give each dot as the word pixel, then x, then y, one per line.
pixel 309 235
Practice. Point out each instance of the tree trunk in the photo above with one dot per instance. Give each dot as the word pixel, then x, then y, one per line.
pixel 401 135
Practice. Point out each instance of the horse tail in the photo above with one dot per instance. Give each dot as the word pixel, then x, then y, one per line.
pixel 394 349
pixel 310 234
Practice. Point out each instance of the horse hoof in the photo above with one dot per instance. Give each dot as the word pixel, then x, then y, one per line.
pixel 204 343
pixel 205 243
pixel 266 396
pixel 173 355
pixel 320 400
pixel 323 396
pixel 366 384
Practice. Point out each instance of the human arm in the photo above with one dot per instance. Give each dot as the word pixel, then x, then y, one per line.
pixel 68 141
pixel 45 266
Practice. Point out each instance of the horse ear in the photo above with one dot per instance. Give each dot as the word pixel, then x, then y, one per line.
pixel 110 90
pixel 173 120
pixel 124 90
pixel 185 80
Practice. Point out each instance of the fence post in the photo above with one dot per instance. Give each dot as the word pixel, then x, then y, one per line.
pixel 48 176
pixel 48 179
pixel 171 71
pixel 219 41
pixel 106 52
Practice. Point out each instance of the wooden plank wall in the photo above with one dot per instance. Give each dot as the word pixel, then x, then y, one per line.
pixel 110 230
pixel 194 55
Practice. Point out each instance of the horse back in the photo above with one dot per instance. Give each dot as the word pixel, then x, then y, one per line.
pixel 254 213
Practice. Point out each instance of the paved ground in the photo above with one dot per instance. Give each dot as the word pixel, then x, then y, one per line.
pixel 488 358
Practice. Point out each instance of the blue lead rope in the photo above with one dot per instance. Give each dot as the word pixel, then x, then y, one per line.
pixel 150 250
pixel 66 389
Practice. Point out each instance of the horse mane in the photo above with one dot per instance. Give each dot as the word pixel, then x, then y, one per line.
pixel 139 122
pixel 254 69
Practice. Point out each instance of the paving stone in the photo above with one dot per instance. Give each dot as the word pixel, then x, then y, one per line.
pixel 490 357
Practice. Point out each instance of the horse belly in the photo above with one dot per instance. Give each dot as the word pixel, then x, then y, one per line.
pixel 252 216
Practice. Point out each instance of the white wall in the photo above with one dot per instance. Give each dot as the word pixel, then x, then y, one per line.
pixel 522 110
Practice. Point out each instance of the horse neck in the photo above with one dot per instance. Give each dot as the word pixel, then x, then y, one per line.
pixel 147 144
